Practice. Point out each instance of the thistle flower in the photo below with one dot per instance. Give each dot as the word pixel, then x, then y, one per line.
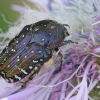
pixel 80 73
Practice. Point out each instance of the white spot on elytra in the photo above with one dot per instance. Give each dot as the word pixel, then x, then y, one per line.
pixel 35 61
pixel 27 29
pixel 41 59
pixel 17 77
pixel 30 67
pixel 42 39
pixel 22 70
pixel 17 56
pixel 25 56
pixel 45 25
pixel 36 68
pixel 8 66
pixel 36 29
pixel 22 35
pixel 32 51
pixel 40 51
pixel 30 29
pixel 18 59
pixel 13 50
pixel 4 59
pixel 24 43
pixel 16 41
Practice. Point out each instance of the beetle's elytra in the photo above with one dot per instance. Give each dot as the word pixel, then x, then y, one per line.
pixel 28 51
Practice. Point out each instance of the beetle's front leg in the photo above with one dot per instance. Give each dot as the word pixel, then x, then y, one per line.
pixel 68 42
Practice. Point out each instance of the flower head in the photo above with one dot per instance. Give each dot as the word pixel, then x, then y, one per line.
pixel 80 72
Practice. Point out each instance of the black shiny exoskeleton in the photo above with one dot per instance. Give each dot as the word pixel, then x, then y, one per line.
pixel 28 51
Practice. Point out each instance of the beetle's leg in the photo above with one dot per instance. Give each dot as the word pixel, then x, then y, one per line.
pixel 58 68
pixel 68 42
pixel 34 72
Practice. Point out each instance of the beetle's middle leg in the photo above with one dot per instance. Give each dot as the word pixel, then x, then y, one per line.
pixel 59 61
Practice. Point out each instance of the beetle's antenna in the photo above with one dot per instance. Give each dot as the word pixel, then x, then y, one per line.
pixel 66 25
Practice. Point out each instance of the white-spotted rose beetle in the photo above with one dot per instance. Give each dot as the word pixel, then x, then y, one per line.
pixel 29 50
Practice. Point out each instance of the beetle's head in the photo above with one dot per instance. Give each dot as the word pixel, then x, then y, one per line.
pixel 49 33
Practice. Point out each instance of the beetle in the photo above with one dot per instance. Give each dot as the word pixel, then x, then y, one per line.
pixel 29 50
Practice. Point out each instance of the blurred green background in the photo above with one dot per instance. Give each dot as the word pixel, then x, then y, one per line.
pixel 10 15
